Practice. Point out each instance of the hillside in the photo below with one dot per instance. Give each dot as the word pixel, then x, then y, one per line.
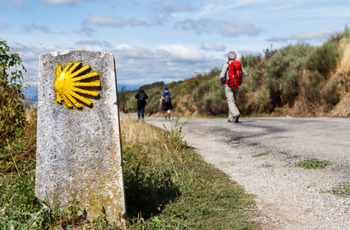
pixel 297 80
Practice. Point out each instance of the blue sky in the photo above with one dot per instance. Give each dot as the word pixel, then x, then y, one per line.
pixel 165 40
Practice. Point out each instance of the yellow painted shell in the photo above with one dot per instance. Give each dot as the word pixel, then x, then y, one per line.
pixel 72 84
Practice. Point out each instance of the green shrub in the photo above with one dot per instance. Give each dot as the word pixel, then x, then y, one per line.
pixel 250 61
pixel 337 37
pixel 323 59
pixel 214 104
pixel 312 87
pixel 12 117
pixel 283 73
pixel 330 95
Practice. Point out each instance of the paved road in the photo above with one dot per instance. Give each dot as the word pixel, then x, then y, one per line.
pixel 260 154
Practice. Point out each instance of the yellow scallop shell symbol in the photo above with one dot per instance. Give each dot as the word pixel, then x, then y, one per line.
pixel 74 83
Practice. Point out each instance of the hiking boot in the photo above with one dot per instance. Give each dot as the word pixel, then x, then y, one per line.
pixel 237 118
pixel 231 121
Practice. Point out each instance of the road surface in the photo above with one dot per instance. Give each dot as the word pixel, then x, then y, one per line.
pixel 260 154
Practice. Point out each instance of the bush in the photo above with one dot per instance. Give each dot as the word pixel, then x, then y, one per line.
pixel 12 117
pixel 250 61
pixel 313 86
pixel 330 95
pixel 283 74
pixel 323 59
pixel 215 104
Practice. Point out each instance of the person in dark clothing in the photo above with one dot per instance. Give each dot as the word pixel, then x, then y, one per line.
pixel 141 97
pixel 165 102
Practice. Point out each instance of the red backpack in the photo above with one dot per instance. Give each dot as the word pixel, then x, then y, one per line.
pixel 234 73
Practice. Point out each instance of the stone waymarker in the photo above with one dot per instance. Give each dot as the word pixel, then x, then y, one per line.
pixel 78 135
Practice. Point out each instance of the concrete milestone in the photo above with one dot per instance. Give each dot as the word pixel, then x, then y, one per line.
pixel 78 134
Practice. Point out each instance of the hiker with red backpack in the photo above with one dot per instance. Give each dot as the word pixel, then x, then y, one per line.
pixel 165 102
pixel 141 97
pixel 232 76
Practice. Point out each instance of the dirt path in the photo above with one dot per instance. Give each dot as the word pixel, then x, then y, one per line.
pixel 260 155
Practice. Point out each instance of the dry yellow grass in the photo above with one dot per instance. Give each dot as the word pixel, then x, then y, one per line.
pixel 343 66
pixel 140 131
pixel 342 73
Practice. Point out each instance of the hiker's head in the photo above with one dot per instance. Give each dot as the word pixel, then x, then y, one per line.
pixel 166 88
pixel 231 55
pixel 141 89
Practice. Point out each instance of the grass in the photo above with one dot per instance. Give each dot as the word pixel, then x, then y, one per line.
pixel 190 194
pixel 313 163
pixel 168 186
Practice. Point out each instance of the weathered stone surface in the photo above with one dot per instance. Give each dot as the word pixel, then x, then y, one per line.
pixel 78 151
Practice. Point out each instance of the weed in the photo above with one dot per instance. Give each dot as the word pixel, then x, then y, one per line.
pixel 312 163
pixel 341 190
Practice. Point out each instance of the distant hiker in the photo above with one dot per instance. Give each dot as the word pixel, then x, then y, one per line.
pixel 165 102
pixel 141 97
pixel 232 76
pixel 125 110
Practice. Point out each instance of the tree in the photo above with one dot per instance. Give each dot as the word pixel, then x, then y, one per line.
pixel 12 116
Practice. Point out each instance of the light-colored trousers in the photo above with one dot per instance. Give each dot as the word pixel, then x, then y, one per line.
pixel 231 95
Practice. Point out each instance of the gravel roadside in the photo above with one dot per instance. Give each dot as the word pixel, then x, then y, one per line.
pixel 260 155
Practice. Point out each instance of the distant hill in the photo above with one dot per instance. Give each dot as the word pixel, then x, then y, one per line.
pixel 297 80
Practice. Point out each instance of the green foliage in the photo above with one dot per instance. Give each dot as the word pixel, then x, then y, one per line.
pixel 323 59
pixel 12 117
pixel 123 98
pixel 250 61
pixel 330 95
pixel 283 73
pixel 337 37
pixel 341 190
pixel 154 85
pixel 313 87
pixel 312 163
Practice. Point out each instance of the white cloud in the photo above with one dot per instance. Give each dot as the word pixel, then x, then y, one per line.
pixel 138 22
pixel 33 27
pixel 59 2
pixel 212 46
pixel 218 8
pixel 86 30
pixel 169 7
pixel 322 35
pixel 136 65
pixel 166 11
pixel 230 28
pixel 173 62
pixel 178 53
pixel 104 21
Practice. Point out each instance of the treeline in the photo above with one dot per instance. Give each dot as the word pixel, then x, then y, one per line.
pixel 296 80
